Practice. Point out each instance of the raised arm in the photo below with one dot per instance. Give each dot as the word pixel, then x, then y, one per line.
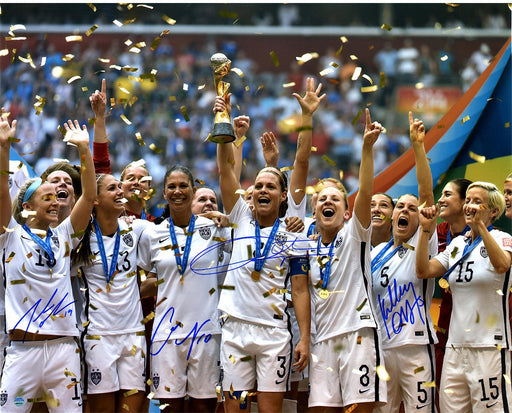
pixel 309 103
pixel 100 142
pixel 362 208
pixel 241 126
pixel 83 208
pixel 7 133
pixel 423 174
pixel 228 181
pixel 270 149
pixel 425 267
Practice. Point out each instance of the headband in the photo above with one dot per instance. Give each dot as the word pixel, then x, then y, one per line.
pixel 31 189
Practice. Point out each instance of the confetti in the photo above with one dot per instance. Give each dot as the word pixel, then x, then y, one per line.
pixel 454 252
pixel 183 110
pixel 246 358
pixel 361 305
pixel 464 119
pixel 16 282
pixel 130 392
pixel 386 27
pixel 367 89
pixel 92 6
pixel 139 139
pixel 326 71
pixel 92 337
pixel 291 84
pixel 232 358
pixel 274 58
pixel 419 369
pixel 356 118
pixel 154 148
pixel 286 168
pixel 507 379
pixel 409 247
pixel 71 80
pixel 475 157
pixel 226 287
pixel 382 373
pixel 357 73
pixel 91 30
pixel 237 71
pixel 239 141
pixel 74 38
pixel 148 318
pixel 168 20
pixel 328 160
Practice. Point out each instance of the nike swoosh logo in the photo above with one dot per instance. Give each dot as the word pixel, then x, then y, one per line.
pixel 421 407
pixel 279 382
pixel 163 240
pixel 363 391
pixel 490 405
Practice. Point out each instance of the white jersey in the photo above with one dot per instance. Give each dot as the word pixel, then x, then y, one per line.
pixel 309 226
pixel 39 299
pixel 402 300
pixel 260 301
pixel 114 308
pixel 344 305
pixel 186 305
pixel 480 313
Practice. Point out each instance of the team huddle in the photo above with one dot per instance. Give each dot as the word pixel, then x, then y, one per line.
pixel 106 307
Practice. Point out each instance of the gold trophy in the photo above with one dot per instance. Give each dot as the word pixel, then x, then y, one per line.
pixel 222 131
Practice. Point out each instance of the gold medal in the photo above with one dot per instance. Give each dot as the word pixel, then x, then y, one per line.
pixel 323 294
pixel 443 283
pixel 255 275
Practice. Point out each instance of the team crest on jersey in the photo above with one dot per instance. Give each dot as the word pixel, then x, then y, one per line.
pixel 338 242
pixel 95 376
pixel 281 238
pixel 507 242
pixel 128 239
pixel 401 252
pixel 205 233
pixel 156 380
pixel 3 398
pixel 55 240
pixel 483 252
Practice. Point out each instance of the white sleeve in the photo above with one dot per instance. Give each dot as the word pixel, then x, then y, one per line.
pixel 295 210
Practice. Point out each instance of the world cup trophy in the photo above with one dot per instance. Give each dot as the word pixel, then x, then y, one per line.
pixel 222 131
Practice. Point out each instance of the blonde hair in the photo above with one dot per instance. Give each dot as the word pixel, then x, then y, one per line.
pixel 509 177
pixel 496 198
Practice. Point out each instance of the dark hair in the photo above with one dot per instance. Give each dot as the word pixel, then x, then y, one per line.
pixel 388 197
pixel 72 170
pixel 81 255
pixel 462 186
pixel 283 182
pixel 174 168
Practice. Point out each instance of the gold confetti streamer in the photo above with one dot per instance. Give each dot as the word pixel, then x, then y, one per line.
pixel 92 337
pixel 419 369
pixel 183 110
pixel 91 30
pixel 464 119
pixel 328 160
pixel 475 157
pixel 368 89
pixel 232 358
pixel 454 252
pixel 356 118
pixel 148 318
pixel 154 148
pixel 409 247
pixel 361 305
pixel 274 58
pixel 386 27
pixel 168 20
pixel 286 168
pixel 130 392
pixel 16 282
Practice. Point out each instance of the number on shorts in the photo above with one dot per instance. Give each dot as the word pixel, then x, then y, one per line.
pixel 365 378
pixel 281 373
pixel 494 389
pixel 75 385
pixel 423 395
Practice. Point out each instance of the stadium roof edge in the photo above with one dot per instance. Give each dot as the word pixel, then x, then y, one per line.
pixel 262 30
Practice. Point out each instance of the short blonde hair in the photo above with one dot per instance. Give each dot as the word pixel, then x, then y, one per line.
pixel 496 198
pixel 509 177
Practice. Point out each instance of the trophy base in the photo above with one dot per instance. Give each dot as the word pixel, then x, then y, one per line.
pixel 222 133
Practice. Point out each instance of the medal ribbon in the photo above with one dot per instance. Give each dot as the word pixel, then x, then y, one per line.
pixel 470 246
pixel 143 214
pixel 182 265
pixel 325 274
pixel 44 244
pixel 449 235
pixel 260 261
pixel 378 261
pixel 109 272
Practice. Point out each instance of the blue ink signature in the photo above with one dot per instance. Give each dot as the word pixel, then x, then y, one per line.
pixel 50 309
pixel 278 250
pixel 404 313
pixel 194 333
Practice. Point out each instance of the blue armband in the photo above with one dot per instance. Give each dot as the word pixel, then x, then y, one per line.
pixel 299 266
